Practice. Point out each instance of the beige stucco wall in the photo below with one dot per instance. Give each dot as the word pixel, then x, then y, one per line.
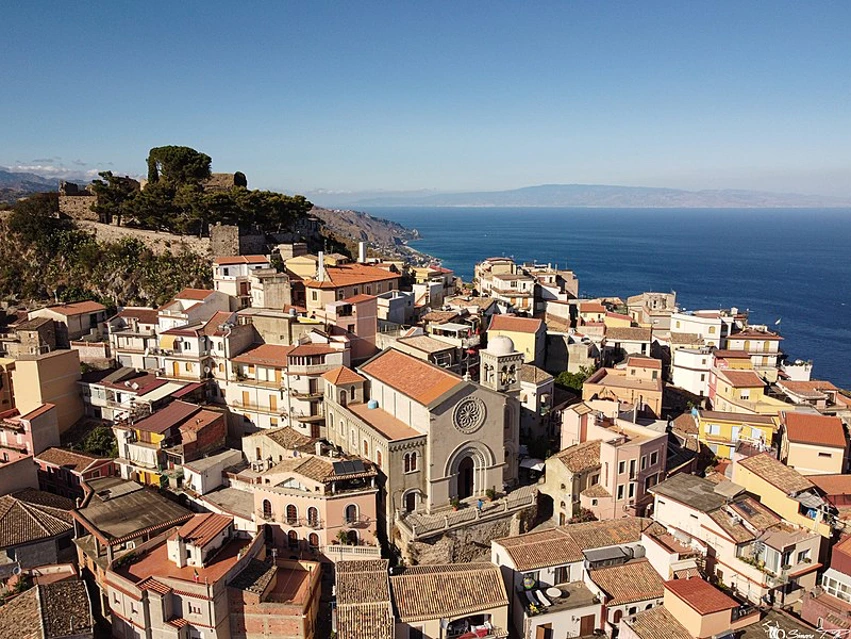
pixel 697 625
pixel 813 460
pixel 51 378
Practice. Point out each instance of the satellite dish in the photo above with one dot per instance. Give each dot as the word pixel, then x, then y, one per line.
pixel 16 570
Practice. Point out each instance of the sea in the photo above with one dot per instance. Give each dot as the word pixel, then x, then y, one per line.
pixel 789 268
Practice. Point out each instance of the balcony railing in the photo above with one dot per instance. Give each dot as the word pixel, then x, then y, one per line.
pixel 340 552
pixel 306 522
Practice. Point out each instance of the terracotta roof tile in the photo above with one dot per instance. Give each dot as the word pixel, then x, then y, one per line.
pixel 265 355
pixel 657 623
pixel 742 379
pixel 832 484
pixel 172 415
pixel 596 491
pixel 30 515
pixel 143 315
pixel 199 294
pixel 581 457
pixel 700 595
pixel 363 600
pixel 628 583
pixel 287 437
pixel 644 362
pixel 74 460
pixel 752 333
pixel 202 529
pixel 48 611
pixel 351 275
pixel 818 430
pixel 534 375
pixel 391 427
pixel 685 338
pixel 731 354
pixel 685 423
pixel 242 259
pixel 220 318
pixel 304 350
pixel 592 307
pixel 779 475
pixel 515 324
pixel 77 308
pixel 433 592
pixel 415 378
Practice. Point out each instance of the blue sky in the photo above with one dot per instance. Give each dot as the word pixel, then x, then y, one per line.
pixel 437 95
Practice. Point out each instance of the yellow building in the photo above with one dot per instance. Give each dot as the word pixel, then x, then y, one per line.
pixel 529 335
pixel 721 432
pixel 50 378
pixel 785 491
pixel 617 320
pixel 741 391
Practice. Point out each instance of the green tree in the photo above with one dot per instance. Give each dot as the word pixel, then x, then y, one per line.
pixel 575 380
pixel 115 195
pixel 36 218
pixel 177 164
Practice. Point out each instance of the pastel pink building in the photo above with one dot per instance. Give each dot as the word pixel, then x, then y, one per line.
pixel 358 317
pixel 319 505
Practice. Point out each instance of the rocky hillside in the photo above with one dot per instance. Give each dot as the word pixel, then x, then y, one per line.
pixel 385 238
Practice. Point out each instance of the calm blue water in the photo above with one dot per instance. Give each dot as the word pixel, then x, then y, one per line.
pixel 787 264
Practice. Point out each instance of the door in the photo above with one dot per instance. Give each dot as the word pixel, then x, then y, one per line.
pixel 544 631
pixel 587 625
pixel 465 481
pixel 245 399
pixel 175 369
pixel 273 403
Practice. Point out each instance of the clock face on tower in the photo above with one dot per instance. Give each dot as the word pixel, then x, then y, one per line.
pixel 469 414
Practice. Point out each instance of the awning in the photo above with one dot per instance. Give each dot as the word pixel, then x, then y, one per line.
pixel 533 464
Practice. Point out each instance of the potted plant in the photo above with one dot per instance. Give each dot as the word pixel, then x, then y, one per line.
pixel 455 503
pixel 490 494
pixel 342 538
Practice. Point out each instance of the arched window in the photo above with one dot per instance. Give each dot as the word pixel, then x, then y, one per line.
pixel 313 540
pixel 414 461
pixel 617 616
pixel 221 368
pixel 649 606
pixel 292 539
pixel 313 517
pixel 352 393
pixel 352 537
pixel 292 514
pixel 343 398
pixel 378 458
pixel 351 514
pixel 406 463
pixel 366 449
pixel 267 509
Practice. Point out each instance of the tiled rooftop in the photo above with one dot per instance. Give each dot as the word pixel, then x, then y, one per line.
pixel 628 583
pixel 363 600
pixel 700 595
pixel 774 472
pixel 434 592
pixel 581 457
pixel 817 430
pixel 657 623
pixel 419 380
pixel 391 427
pixel 513 324
pixel 51 611
pixel 30 515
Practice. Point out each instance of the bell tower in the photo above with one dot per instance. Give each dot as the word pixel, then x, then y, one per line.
pixel 500 365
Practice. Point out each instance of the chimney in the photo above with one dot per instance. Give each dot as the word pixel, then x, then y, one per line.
pixel 320 267
pixel 362 252
pixel 318 448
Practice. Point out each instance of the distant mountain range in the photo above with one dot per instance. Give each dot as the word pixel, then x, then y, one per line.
pixel 582 195
pixel 14 185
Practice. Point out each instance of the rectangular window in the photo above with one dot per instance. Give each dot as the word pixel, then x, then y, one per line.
pixel 702 377
pixel 594 480
pixel 642 464
pixel 620 494
pixel 654 457
pixel 314 296
pixel 561 575
pixel 632 468
pixel 823 454
pixel 804 555
pixel 621 468
pixel 713 429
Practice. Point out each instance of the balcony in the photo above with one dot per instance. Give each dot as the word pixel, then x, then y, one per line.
pixel 310 396
pixel 257 408
pixel 341 552
pixel 358 522
pixel 278 518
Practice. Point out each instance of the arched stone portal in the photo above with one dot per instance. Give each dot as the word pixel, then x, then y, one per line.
pixel 467 467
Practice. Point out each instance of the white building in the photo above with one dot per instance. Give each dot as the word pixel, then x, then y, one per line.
pixel 231 275
pixel 691 370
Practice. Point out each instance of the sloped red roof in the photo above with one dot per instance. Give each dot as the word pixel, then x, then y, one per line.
pixel 515 324
pixel 77 308
pixel 421 381
pixel 819 430
pixel 202 529
pixel 242 259
pixel 700 595
pixel 343 375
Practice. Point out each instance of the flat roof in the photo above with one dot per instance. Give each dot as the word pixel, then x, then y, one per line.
pixel 384 422
pixel 129 508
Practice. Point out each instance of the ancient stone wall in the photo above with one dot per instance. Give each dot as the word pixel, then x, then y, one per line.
pixel 78 207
